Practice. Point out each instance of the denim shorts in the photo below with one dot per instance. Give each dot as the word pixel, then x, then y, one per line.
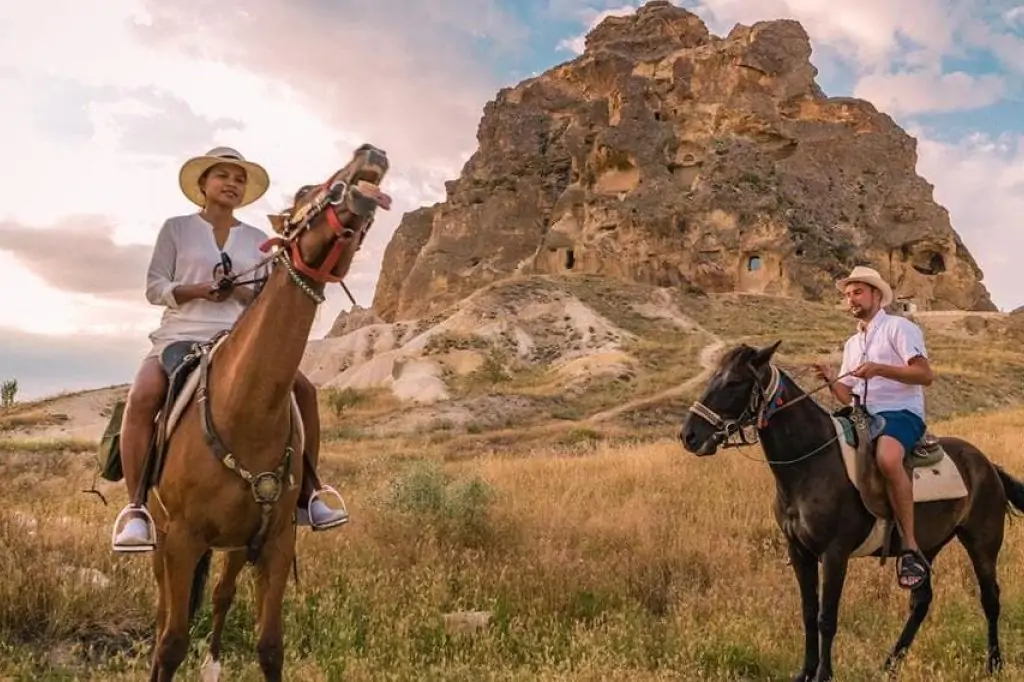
pixel 904 426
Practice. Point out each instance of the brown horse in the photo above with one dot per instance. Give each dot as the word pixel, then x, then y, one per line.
pixel 232 468
pixel 823 513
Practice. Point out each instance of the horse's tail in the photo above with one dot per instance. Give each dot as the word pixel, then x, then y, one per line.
pixel 199 578
pixel 1014 489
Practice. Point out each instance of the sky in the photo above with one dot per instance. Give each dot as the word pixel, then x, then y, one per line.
pixel 103 101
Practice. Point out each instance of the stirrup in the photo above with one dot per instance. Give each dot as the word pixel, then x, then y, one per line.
pixel 333 524
pixel 131 510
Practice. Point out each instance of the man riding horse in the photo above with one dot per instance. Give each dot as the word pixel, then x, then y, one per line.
pixel 885 365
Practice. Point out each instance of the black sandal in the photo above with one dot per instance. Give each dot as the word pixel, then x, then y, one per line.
pixel 912 569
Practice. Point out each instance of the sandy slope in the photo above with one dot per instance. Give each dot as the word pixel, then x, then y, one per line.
pixel 81 416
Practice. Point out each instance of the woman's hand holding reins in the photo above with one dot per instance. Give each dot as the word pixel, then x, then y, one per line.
pixel 205 290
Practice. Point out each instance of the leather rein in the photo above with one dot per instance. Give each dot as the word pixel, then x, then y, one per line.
pixel 764 403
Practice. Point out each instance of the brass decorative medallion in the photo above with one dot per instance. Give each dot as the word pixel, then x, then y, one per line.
pixel 266 487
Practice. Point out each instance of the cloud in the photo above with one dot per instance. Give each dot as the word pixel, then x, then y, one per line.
pixel 577 44
pixel 149 120
pixel 44 365
pixel 404 76
pixel 153 122
pixel 871 32
pixel 78 255
pixel 980 180
pixel 928 91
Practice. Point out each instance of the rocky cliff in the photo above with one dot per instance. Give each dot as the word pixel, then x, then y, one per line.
pixel 665 155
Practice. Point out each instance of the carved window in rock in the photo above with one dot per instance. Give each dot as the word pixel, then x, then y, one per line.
pixel 570 259
pixel 753 263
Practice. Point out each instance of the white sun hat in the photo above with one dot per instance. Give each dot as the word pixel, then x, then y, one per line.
pixel 257 180
pixel 867 275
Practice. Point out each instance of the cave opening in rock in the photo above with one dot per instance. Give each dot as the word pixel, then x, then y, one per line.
pixel 570 259
pixel 754 263
pixel 930 264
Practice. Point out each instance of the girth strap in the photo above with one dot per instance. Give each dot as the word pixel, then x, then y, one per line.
pixel 267 486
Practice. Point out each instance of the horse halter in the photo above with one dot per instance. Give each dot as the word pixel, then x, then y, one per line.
pixel 762 403
pixel 360 198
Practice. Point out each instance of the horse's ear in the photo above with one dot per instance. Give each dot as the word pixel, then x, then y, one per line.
pixel 277 222
pixel 764 355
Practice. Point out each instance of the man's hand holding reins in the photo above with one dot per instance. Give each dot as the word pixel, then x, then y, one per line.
pixel 869 370
pixel 825 373
pixel 828 374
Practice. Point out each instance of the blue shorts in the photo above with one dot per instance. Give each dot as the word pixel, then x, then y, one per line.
pixel 904 426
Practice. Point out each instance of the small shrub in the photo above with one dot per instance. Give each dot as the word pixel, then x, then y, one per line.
pixel 341 399
pixel 8 391
pixel 457 511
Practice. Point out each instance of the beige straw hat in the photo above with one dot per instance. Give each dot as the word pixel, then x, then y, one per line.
pixel 870 276
pixel 256 184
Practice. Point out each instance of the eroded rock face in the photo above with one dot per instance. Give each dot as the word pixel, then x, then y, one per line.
pixel 668 156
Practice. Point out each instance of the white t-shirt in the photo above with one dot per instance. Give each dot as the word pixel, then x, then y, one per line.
pixel 891 340
pixel 186 253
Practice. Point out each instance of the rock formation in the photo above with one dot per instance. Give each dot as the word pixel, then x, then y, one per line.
pixel 665 155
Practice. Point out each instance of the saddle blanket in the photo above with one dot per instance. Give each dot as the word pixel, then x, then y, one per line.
pixel 934 482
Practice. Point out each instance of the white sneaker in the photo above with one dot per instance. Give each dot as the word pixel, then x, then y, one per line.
pixel 136 536
pixel 323 517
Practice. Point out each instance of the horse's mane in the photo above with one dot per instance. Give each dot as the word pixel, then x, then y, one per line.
pixel 741 354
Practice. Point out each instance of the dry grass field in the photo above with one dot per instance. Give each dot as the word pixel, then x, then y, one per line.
pixel 595 561
pixel 599 551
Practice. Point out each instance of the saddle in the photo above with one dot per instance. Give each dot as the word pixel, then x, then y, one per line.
pixel 927 452
pixel 934 476
pixel 180 360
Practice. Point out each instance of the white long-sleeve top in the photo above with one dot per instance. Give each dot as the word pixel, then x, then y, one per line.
pixel 186 253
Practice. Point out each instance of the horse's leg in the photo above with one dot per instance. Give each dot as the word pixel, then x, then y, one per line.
pixel 161 605
pixel 272 578
pixel 181 556
pixel 805 565
pixel 834 564
pixel 223 596
pixel 920 602
pixel 983 545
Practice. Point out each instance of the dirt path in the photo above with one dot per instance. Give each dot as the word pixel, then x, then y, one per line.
pixel 706 358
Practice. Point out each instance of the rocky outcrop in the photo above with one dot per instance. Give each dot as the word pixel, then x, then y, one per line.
pixel 665 155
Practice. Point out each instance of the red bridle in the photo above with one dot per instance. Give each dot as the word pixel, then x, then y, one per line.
pixel 322 203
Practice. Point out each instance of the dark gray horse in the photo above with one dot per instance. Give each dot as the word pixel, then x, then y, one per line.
pixel 821 513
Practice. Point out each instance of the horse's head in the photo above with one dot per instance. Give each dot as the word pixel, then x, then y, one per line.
pixel 327 223
pixel 733 399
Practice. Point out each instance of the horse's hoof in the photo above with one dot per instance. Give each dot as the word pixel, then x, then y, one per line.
pixel 995 662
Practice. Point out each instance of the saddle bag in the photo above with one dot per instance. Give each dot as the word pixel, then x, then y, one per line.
pixel 109 453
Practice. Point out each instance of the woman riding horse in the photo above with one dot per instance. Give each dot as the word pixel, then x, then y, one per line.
pixel 189 274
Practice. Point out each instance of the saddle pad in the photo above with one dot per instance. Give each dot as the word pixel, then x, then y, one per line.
pixel 940 481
